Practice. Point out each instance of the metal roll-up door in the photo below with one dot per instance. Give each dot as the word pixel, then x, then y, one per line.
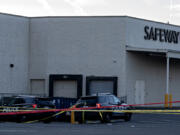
pixel 65 89
pixel 101 87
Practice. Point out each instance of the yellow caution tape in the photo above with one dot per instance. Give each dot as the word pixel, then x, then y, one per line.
pixel 175 112
pixel 45 118
pixel 131 111
pixel 49 116
pixel 172 113
pixel 100 113
pixel 25 108
pixel 123 111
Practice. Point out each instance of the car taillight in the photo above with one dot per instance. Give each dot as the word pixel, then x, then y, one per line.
pixel 34 105
pixel 98 105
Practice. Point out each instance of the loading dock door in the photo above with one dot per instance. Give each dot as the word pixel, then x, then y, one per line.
pixel 65 89
pixel 101 84
pixel 101 87
pixel 65 85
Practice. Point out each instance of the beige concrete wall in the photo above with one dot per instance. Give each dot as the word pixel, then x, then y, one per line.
pixel 14 49
pixel 78 45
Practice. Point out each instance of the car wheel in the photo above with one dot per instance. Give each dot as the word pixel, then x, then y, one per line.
pixel 127 116
pixel 106 118
pixel 47 121
pixel 21 119
pixel 80 121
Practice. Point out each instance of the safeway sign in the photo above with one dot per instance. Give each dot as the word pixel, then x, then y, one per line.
pixel 161 35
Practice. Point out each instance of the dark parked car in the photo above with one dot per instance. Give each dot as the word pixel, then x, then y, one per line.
pixel 101 100
pixel 25 103
pixel 4 101
pixel 31 101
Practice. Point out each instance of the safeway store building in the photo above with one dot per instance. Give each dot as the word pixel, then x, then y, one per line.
pixel 74 56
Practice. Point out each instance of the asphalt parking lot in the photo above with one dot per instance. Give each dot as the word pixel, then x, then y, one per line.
pixel 141 124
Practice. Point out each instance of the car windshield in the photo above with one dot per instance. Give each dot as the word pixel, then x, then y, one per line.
pixel 45 101
pixel 29 100
pixel 20 100
pixel 94 99
pixel 102 99
pixel 5 100
pixel 88 100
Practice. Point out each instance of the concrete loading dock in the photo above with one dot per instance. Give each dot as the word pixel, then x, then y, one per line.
pixel 129 56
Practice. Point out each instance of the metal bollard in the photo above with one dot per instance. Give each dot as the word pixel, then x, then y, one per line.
pixel 83 117
pixel 166 101
pixel 72 117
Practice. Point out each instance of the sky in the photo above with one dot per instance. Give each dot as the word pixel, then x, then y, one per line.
pixel 157 10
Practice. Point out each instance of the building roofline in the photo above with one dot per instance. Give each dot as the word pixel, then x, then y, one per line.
pixel 108 16
pixel 169 24
pixel 97 16
pixel 9 14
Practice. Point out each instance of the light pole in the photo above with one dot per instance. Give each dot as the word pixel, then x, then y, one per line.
pixel 168 96
pixel 167 81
